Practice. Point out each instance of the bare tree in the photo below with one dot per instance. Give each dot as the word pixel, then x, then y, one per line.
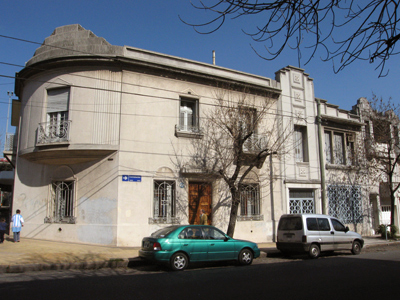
pixel 239 133
pixel 382 143
pixel 345 29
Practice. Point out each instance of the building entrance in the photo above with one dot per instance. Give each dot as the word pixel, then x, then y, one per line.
pixel 199 198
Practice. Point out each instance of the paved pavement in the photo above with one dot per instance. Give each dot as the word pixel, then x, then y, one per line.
pixel 38 255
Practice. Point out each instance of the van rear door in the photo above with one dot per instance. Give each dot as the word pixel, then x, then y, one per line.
pixel 290 229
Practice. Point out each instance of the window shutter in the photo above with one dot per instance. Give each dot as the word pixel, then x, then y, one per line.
pixel 57 100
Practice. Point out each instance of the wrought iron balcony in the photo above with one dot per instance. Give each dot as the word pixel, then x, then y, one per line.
pixel 9 142
pixel 53 132
pixel 188 131
pixel 255 143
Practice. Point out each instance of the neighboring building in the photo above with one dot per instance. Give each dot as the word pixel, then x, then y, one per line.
pixel 382 152
pixel 325 138
pixel 102 127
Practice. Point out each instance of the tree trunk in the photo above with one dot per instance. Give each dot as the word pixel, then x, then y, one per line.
pixel 234 210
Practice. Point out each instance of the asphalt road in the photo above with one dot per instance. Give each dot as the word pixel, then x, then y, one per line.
pixel 374 273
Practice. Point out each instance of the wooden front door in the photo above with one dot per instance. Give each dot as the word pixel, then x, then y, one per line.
pixel 199 198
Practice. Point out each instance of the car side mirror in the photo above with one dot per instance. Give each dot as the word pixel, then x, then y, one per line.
pixel 226 239
pixel 346 229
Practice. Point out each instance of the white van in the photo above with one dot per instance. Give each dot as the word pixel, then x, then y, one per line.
pixel 315 233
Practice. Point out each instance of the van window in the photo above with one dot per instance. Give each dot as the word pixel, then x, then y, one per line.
pixel 312 224
pixel 337 225
pixel 290 223
pixel 323 224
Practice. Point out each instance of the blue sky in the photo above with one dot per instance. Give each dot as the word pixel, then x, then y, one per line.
pixel 154 25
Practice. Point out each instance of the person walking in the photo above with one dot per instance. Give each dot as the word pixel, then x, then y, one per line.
pixel 203 217
pixel 18 223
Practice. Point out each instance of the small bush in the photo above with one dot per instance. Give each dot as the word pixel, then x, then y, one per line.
pixel 391 231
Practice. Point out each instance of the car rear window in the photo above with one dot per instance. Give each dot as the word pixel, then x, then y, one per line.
pixel 164 232
pixel 290 223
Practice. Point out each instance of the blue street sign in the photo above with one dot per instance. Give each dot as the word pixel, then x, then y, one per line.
pixel 132 178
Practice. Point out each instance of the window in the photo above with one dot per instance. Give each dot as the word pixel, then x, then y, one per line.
pixel 323 224
pixel 318 224
pixel 164 200
pixel 62 202
pixel 312 224
pixel 301 201
pixel 338 157
pixel 188 115
pixel 337 225
pixel 351 154
pixel 345 203
pixel 340 148
pixel 300 143
pixel 214 234
pixel 382 132
pixel 56 128
pixel 328 147
pixel 249 200
pixel 191 233
pixel 290 223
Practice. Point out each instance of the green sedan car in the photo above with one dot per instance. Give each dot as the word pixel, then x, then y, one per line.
pixel 179 245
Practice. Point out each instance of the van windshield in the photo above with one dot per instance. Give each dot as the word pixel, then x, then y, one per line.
pixel 290 223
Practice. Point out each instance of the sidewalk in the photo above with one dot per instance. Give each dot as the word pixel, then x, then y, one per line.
pixel 38 255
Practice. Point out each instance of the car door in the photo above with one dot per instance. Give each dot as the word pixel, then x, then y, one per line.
pixel 342 241
pixel 193 243
pixel 326 234
pixel 220 247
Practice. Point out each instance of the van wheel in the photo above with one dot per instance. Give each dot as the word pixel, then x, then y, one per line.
pixel 314 251
pixel 356 249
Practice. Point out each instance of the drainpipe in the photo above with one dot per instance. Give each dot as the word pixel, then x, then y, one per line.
pixel 321 157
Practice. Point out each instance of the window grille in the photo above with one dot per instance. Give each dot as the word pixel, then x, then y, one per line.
pixel 62 203
pixel 345 203
pixel 250 200
pixel 56 129
pixel 164 199
pixel 301 201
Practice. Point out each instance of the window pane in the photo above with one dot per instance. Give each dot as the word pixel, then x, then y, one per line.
pixel 323 225
pixel 339 149
pixel 57 100
pixel 328 147
pixel 188 118
pixel 298 140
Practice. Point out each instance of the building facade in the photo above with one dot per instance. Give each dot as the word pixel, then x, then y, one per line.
pixel 102 130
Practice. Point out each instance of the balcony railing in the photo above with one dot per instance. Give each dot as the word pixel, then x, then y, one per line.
pixel 255 143
pixel 188 131
pixel 53 132
pixel 9 142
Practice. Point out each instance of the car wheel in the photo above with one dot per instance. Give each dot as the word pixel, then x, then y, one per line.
pixel 245 257
pixel 179 261
pixel 356 249
pixel 314 251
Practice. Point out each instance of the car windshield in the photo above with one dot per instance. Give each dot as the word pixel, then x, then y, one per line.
pixel 163 232
pixel 290 223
